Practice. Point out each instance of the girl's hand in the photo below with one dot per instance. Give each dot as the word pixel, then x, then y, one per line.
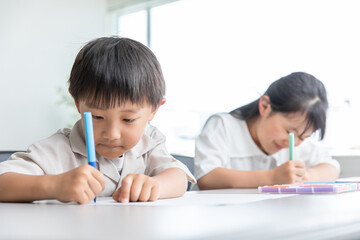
pixel 306 177
pixel 80 185
pixel 289 172
pixel 137 187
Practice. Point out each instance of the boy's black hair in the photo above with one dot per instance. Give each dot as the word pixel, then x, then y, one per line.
pixel 297 92
pixel 109 71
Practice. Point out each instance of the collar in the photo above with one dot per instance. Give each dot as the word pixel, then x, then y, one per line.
pixel 150 139
pixel 77 139
pixel 78 145
pixel 243 144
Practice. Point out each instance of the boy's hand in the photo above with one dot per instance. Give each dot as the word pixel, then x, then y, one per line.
pixel 137 187
pixel 290 172
pixel 80 185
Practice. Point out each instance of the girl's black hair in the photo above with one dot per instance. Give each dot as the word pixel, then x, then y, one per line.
pixel 297 92
pixel 112 70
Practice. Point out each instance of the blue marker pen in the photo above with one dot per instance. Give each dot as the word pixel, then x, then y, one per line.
pixel 337 181
pixel 89 136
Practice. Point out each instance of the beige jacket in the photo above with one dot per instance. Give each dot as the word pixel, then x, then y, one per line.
pixel 66 150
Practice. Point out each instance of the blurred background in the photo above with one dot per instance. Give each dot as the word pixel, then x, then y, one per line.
pixel 216 55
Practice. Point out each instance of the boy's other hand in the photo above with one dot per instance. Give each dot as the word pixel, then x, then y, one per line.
pixel 80 185
pixel 289 173
pixel 137 187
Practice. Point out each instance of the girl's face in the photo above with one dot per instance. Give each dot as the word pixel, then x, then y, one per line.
pixel 270 130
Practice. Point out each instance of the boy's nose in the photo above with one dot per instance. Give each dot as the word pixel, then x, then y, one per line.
pixel 112 132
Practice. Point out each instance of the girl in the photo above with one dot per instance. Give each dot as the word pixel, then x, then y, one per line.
pixel 248 147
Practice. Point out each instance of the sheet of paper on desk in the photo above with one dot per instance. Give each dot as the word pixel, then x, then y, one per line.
pixel 349 179
pixel 194 198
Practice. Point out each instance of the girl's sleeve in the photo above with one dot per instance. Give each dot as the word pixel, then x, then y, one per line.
pixel 317 153
pixel 211 148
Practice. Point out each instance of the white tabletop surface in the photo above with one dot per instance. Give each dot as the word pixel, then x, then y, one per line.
pixel 242 214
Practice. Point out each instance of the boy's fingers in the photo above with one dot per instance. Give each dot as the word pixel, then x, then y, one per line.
pixel 99 177
pixel 85 196
pixel 116 195
pixel 90 192
pixel 136 188
pixel 95 185
pixel 124 196
pixel 155 192
pixel 145 192
pixel 125 189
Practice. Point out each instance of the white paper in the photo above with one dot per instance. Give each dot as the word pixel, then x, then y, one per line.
pixel 205 198
pixel 194 198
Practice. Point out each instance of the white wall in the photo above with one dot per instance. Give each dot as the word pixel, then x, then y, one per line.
pixel 39 40
pixel 350 165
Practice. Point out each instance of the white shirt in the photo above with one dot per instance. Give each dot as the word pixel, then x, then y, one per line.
pixel 66 150
pixel 118 162
pixel 225 141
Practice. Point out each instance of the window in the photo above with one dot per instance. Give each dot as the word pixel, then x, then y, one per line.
pixel 134 26
pixel 218 55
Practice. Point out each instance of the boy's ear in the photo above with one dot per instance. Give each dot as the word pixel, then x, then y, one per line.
pixel 162 102
pixel 157 108
pixel 264 105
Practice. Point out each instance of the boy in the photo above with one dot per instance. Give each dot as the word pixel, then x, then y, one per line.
pixel 120 81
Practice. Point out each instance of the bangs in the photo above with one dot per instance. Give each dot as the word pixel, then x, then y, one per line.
pixel 316 119
pixel 109 100
pixel 107 97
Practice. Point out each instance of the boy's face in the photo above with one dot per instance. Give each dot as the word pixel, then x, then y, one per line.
pixel 119 129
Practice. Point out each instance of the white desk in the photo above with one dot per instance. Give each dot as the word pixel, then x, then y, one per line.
pixel 295 217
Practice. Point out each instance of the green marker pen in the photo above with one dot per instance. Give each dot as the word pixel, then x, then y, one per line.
pixel 291 146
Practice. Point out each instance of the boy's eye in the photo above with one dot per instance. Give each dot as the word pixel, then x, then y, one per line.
pixel 128 120
pixel 97 117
